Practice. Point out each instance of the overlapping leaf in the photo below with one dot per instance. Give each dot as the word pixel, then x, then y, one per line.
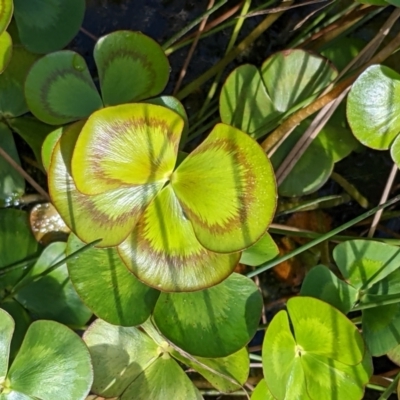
pixel 6 12
pixel 46 26
pixel 5 50
pixel 170 239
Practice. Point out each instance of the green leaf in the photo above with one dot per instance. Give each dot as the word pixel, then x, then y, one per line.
pixel 163 251
pixel 22 321
pixel 115 295
pixel 312 359
pixel 223 372
pixel 16 244
pixel 395 150
pixel 244 102
pixel 214 322
pixel 310 172
pixel 322 284
pixel 164 379
pixel 59 89
pixel 52 296
pixel 119 355
pixel 6 332
pixel 12 98
pixel 7 8
pixel 372 108
pixel 48 147
pixel 53 363
pixel 5 49
pixel 286 86
pixel 261 392
pixel 33 132
pixel 365 262
pixel 231 204
pixel 130 145
pixel 46 26
pixel 109 216
pixel 131 67
pixel 381 328
pixel 394 354
pixel 12 184
pixel 263 250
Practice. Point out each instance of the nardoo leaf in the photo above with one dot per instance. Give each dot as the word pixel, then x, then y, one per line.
pixel 109 216
pixel 116 295
pixel 214 322
pixel 163 251
pixel 373 108
pixel 6 332
pixel 46 26
pixel 53 363
pixel 5 50
pixel 6 12
pixel 122 51
pixel 127 145
pixel 263 250
pixel 227 190
pixel 59 89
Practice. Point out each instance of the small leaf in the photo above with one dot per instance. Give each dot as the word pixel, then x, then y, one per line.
pixel 59 89
pixel 365 262
pixel 12 98
pixel 131 67
pixel 214 322
pixel 163 251
pixel 16 244
pixel 263 250
pixel 261 392
pixel 111 214
pixel 7 8
pixel 231 204
pixel 244 102
pixel 49 145
pixel 119 355
pixel 12 184
pixel 322 284
pixel 164 379
pixel 286 86
pixel 52 296
pixel 46 26
pixel 224 371
pixel 33 132
pixel 6 332
pixel 126 145
pixel 5 50
pixel 372 109
pixel 395 151
pixel 115 295
pixel 381 328
pixel 53 363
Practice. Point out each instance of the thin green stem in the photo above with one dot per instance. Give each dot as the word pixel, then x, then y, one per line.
pixel 192 24
pixel 377 303
pixel 390 389
pixel 19 265
pixel 326 236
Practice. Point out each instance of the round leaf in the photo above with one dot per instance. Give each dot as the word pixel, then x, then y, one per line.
pixel 126 145
pixel 261 392
pixel 244 102
pixel 59 89
pixel 12 184
pixel 365 262
pixel 313 359
pixel 49 145
pixel 52 296
pixel 115 295
pixel 214 322
pixel 12 98
pixel 286 86
pixel 227 190
pixel 395 151
pixel 16 244
pixel 131 67
pixel 163 251
pixel 372 109
pixel 263 250
pixel 110 215
pixel 119 355
pixel 6 7
pixel 53 363
pixel 46 26
pixel 6 332
pixel 5 50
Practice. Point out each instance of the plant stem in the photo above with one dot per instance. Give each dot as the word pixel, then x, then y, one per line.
pixel 390 389
pixel 326 236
